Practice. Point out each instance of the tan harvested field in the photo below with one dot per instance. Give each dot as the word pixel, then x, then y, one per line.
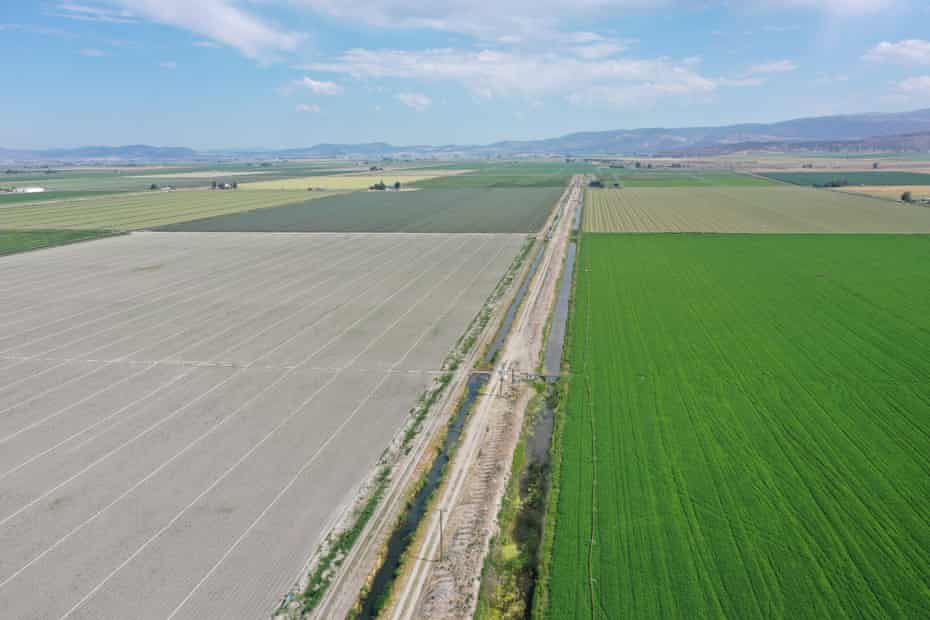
pixel 746 210
pixel 892 192
pixel 183 414
pixel 351 181
pixel 143 210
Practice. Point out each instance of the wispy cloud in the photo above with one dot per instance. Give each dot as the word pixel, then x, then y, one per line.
pixel 308 108
pixel 87 13
pixel 503 21
pixel 220 21
pixel 909 51
pixel 919 85
pixel 168 64
pixel 489 73
pixel 740 82
pixel 319 87
pixel 43 30
pixel 209 44
pixel 776 66
pixel 417 101
pixel 91 52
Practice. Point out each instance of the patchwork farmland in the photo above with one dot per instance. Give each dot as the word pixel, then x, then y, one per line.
pixel 182 415
pixel 747 429
pixel 446 211
pixel 351 181
pixel 680 178
pixel 746 210
pixel 143 210
pixel 851 177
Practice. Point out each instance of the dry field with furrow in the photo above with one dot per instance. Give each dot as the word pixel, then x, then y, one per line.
pixel 746 210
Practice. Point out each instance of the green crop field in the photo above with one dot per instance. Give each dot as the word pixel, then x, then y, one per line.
pixel 13 241
pixel 507 175
pixel 781 209
pixel 145 210
pixel 679 178
pixel 447 211
pixel 747 432
pixel 878 177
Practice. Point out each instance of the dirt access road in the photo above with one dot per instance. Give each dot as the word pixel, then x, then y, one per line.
pixel 443 579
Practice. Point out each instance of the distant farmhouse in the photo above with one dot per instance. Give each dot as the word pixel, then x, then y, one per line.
pixel 25 190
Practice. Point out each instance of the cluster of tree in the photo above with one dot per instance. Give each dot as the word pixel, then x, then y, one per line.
pixel 835 183
pixel 380 186
pixel 596 183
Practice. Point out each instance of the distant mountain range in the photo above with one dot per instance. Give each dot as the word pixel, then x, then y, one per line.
pixel 896 132
pixel 135 152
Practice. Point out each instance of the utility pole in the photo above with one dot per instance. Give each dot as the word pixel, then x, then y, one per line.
pixel 440 534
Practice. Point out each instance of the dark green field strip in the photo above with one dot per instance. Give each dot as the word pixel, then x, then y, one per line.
pixel 879 177
pixel 748 429
pixel 515 167
pixel 13 241
pixel 443 211
pixel 680 178
pixel 482 180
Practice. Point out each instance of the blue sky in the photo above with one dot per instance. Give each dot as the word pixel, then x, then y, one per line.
pixel 286 73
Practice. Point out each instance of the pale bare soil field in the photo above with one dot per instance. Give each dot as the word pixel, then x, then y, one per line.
pixel 746 210
pixel 183 414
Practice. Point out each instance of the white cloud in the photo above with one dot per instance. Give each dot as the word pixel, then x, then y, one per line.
pixel 919 85
pixel 776 66
pixel 83 12
pixel 417 101
pixel 604 49
pixel 909 51
pixel 218 20
pixel 91 52
pixel 740 82
pixel 489 73
pixel 168 64
pixel 504 21
pixel 319 87
pixel 209 44
pixel 519 21
pixel 308 108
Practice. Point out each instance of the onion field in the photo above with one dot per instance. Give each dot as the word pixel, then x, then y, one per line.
pixel 747 431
